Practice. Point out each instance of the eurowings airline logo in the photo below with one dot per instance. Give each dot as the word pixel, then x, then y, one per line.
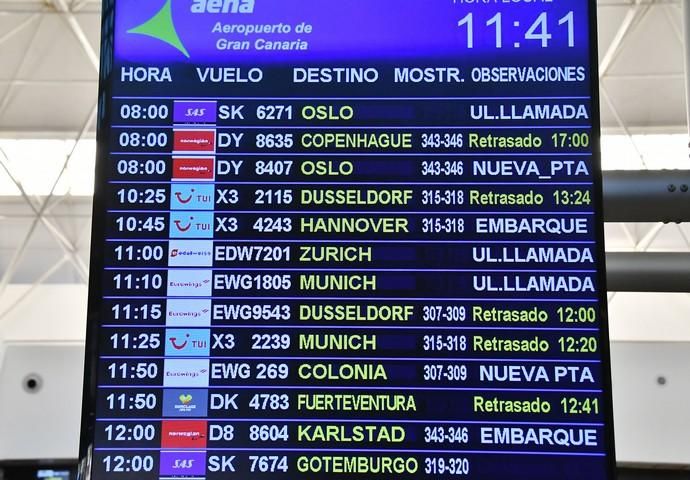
pixel 162 27
pixel 188 313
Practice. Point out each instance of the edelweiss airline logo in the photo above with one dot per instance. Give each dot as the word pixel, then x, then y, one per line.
pixel 162 27
pixel 190 253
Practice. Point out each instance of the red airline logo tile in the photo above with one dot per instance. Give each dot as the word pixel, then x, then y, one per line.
pixel 195 140
pixel 201 168
pixel 184 434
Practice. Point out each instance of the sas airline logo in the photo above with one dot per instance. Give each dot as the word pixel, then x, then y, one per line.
pixel 189 283
pixel 188 313
pixel 195 112
pixel 192 197
pixel 187 343
pixel 183 464
pixel 201 168
pixel 185 403
pixel 191 141
pixel 191 225
pixel 184 434
pixel 190 253
pixel 185 373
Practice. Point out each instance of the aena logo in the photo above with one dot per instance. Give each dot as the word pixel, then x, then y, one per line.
pixel 223 6
pixel 162 27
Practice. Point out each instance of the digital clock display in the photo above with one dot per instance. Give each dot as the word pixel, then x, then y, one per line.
pixel 348 239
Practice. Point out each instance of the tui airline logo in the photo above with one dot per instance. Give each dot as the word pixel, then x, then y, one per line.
pixel 187 343
pixel 162 27
pixel 192 197
pixel 191 225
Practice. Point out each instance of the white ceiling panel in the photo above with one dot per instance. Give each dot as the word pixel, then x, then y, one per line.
pixel 646 104
pixel 651 47
pixel 16 32
pixel 49 62
pixel 50 106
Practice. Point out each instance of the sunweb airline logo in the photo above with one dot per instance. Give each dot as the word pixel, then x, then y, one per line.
pixel 162 27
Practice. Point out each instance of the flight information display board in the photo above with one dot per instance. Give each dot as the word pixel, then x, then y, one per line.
pixel 348 239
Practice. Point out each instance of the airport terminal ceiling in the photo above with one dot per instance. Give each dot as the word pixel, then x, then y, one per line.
pixel 49 53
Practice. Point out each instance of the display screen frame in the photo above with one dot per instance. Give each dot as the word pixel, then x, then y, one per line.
pixel 98 234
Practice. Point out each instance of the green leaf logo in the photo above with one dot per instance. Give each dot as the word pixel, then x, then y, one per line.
pixel 161 27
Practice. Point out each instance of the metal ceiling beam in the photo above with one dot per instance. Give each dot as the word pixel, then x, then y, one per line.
pixel 5 101
pixel 647 196
pixel 78 32
pixel 634 14
pixel 21 250
pixel 648 272
pixel 68 247
pixel 18 28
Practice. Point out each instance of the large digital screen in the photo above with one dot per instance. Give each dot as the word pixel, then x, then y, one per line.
pixel 348 239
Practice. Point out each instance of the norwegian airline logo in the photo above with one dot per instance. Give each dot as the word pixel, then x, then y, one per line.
pixel 186 373
pixel 191 225
pixel 189 283
pixel 184 434
pixel 191 141
pixel 187 343
pixel 191 168
pixel 192 197
pixel 188 313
